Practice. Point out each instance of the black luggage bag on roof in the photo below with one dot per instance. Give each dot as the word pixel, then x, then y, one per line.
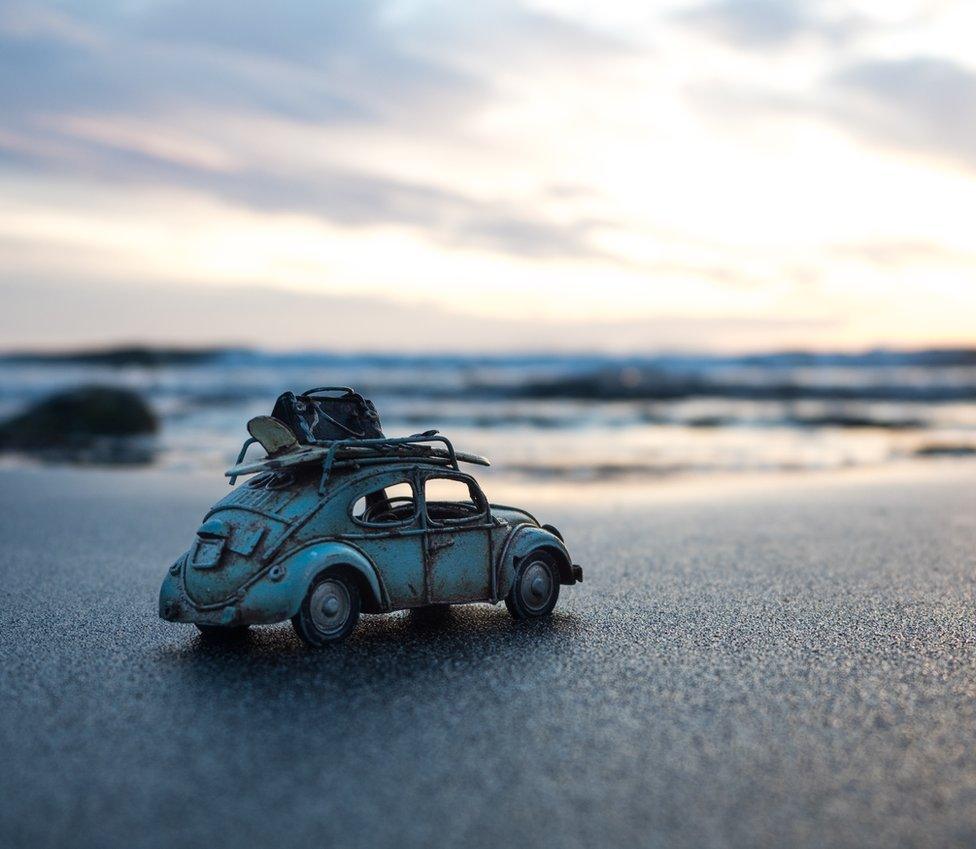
pixel 316 417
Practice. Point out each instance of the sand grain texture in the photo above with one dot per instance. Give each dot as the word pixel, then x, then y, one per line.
pixel 794 667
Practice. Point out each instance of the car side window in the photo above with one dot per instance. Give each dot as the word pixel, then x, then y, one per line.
pixel 454 501
pixel 393 505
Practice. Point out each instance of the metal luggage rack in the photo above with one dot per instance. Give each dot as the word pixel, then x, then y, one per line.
pixel 354 452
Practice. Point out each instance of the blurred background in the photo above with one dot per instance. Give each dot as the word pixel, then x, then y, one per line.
pixel 615 241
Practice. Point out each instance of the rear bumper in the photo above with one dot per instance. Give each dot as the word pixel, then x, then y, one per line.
pixel 263 603
pixel 577 574
pixel 179 610
pixel 176 606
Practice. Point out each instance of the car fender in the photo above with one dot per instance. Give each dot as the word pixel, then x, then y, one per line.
pixel 277 591
pixel 289 577
pixel 523 540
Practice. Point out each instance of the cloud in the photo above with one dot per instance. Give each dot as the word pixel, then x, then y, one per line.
pixel 148 93
pixel 922 104
pixel 315 62
pixel 340 196
pixel 919 104
pixel 898 254
pixel 753 24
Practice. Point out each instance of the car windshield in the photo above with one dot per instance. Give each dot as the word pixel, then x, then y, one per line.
pixel 453 500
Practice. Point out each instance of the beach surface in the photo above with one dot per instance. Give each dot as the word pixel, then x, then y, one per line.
pixel 782 662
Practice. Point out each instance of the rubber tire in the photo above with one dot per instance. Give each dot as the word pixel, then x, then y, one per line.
pixel 222 633
pixel 513 601
pixel 302 621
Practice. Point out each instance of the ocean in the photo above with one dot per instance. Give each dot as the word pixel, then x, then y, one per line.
pixel 559 417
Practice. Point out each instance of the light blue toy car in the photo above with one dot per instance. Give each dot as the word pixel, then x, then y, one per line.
pixel 328 529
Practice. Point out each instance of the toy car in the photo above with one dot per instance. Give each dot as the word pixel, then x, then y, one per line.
pixel 329 528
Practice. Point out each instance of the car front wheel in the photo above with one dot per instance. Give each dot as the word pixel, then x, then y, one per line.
pixel 535 590
pixel 329 611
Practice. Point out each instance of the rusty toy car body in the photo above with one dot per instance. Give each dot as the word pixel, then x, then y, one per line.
pixel 331 528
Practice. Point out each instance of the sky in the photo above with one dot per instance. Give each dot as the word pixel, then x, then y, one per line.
pixel 430 176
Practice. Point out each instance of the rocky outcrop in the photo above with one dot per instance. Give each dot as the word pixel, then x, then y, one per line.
pixel 90 423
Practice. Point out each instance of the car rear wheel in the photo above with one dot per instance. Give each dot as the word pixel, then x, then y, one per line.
pixel 329 611
pixel 535 590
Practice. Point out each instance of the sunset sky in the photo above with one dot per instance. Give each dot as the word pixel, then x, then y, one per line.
pixel 739 174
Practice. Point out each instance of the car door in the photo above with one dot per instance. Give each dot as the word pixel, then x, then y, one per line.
pixel 389 529
pixel 457 544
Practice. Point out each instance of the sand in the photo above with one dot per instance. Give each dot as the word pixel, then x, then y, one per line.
pixel 788 662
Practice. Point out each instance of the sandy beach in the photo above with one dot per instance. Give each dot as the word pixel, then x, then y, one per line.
pixel 782 662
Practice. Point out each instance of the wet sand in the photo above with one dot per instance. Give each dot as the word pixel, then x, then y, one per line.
pixel 774 662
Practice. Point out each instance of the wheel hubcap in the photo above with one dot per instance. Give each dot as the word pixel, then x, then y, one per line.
pixel 536 585
pixel 330 607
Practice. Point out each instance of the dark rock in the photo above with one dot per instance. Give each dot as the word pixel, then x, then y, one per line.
pixel 945 450
pixel 133 355
pixel 89 424
pixel 853 420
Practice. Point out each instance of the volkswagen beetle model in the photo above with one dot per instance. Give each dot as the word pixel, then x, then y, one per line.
pixel 327 529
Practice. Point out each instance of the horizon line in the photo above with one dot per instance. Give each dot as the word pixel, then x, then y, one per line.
pixel 107 350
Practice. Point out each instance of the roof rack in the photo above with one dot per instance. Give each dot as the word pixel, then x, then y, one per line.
pixel 347 453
